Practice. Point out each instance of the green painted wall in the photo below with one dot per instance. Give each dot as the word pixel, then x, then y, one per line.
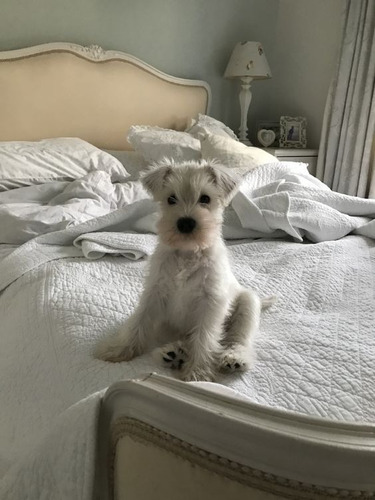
pixel 192 39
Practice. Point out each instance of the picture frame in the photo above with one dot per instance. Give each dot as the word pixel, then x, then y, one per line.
pixel 293 132
pixel 270 125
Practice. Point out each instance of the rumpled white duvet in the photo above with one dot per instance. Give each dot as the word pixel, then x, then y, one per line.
pixel 72 269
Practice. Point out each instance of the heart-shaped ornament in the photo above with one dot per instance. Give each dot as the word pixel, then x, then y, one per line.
pixel 266 137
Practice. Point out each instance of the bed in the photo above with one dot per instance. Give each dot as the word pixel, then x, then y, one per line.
pixel 77 126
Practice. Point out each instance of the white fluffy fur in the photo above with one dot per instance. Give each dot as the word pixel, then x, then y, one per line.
pixel 191 299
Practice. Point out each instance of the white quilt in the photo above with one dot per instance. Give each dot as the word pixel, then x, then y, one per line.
pixel 316 345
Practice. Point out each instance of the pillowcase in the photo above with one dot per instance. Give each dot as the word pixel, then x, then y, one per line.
pixel 234 154
pixel 205 125
pixel 60 159
pixel 156 143
pixel 133 162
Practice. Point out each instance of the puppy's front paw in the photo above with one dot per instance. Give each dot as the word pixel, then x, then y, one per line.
pixel 237 358
pixel 198 375
pixel 114 351
pixel 171 355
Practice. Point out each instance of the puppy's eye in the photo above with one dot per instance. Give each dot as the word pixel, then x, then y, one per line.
pixel 172 200
pixel 204 199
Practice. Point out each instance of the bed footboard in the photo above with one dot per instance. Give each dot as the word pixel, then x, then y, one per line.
pixel 162 438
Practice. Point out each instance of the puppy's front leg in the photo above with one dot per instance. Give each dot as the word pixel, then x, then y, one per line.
pixel 134 336
pixel 203 342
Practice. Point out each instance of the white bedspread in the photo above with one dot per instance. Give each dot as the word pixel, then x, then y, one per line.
pixel 285 197
pixel 316 345
pixel 68 219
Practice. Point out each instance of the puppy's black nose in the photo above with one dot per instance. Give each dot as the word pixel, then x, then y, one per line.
pixel 186 225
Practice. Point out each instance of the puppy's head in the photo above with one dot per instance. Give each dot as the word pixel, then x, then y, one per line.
pixel 192 197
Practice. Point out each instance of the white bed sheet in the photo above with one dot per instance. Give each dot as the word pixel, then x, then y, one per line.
pixel 315 347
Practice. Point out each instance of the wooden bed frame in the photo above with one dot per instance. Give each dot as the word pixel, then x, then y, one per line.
pixel 159 437
pixel 66 90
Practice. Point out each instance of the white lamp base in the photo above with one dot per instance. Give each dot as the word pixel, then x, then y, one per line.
pixel 245 100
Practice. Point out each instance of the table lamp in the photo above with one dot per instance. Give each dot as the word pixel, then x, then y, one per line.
pixel 247 62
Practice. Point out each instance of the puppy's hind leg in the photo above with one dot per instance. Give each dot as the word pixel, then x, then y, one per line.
pixel 240 327
pixel 126 344
pixel 136 334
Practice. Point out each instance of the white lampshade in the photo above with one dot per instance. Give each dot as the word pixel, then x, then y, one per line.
pixel 248 60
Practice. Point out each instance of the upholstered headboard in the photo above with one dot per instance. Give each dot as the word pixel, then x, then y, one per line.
pixel 62 89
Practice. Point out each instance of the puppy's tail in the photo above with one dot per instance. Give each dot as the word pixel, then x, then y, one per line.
pixel 268 301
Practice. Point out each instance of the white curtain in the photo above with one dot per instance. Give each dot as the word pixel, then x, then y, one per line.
pixel 346 160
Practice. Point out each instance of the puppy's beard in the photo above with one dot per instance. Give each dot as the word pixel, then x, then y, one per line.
pixel 202 237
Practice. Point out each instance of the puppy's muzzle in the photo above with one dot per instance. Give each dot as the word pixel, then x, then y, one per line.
pixel 186 225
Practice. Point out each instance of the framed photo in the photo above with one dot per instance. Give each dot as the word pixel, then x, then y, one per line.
pixel 275 127
pixel 293 132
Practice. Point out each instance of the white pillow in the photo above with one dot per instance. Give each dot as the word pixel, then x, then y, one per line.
pixel 62 159
pixel 133 162
pixel 234 154
pixel 205 125
pixel 156 143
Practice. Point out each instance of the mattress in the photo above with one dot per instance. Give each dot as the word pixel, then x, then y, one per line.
pixel 315 346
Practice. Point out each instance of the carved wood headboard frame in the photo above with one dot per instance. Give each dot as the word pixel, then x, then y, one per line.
pixel 66 90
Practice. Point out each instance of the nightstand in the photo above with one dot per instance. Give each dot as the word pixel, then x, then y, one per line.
pixel 309 156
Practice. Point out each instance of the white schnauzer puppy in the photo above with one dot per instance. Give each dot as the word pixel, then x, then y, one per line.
pixel 191 296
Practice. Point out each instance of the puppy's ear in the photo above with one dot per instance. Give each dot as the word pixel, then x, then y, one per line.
pixel 154 179
pixel 226 181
